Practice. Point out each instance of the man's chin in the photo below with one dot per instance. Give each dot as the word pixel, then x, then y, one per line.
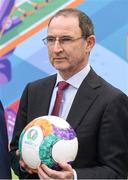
pixel 60 66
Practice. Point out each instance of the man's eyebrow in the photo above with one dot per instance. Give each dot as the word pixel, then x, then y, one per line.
pixel 50 36
pixel 69 36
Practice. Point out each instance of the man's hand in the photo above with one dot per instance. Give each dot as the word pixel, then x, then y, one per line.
pixel 46 173
pixel 23 165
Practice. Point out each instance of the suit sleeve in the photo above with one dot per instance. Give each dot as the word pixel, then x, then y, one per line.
pixel 112 151
pixel 5 170
pixel 21 122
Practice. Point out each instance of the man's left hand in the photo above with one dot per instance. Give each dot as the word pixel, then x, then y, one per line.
pixel 66 172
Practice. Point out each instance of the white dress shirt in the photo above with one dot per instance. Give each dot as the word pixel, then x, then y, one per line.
pixel 69 93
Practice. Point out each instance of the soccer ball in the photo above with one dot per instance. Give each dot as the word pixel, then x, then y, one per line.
pixel 48 140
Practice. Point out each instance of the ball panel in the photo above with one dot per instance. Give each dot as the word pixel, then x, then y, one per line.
pixel 57 121
pixel 65 150
pixel 45 150
pixel 31 157
pixel 67 133
pixel 21 142
pixel 43 124
pixel 30 146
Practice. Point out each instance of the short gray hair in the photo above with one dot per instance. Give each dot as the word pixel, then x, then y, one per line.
pixel 85 23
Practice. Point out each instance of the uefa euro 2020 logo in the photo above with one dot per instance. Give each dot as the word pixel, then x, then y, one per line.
pixel 32 135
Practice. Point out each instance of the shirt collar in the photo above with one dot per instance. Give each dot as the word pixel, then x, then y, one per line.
pixel 77 78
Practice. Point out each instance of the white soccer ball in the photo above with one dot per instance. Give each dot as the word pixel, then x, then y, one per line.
pixel 48 140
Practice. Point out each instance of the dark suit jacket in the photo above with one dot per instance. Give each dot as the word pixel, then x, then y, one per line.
pixel 99 115
pixel 5 172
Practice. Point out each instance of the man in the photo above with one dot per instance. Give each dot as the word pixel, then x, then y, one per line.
pixel 96 110
pixel 5 171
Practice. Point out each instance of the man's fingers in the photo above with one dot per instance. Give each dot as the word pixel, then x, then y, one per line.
pixel 42 174
pixel 65 166
pixel 24 166
pixel 17 152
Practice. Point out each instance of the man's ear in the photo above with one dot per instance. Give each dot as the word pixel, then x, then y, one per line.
pixel 90 43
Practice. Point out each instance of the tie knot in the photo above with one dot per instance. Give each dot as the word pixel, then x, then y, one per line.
pixel 62 85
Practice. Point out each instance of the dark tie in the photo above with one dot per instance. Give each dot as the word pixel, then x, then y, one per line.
pixel 61 86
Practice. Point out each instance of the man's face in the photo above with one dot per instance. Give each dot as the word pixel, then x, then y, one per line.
pixel 68 56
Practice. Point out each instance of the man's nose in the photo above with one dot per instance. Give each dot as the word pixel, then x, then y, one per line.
pixel 57 46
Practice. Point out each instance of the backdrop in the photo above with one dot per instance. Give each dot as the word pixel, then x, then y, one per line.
pixel 23 57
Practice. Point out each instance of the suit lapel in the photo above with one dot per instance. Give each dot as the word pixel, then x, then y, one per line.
pixel 85 96
pixel 47 89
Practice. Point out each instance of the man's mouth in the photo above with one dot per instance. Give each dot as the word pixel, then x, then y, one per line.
pixel 58 58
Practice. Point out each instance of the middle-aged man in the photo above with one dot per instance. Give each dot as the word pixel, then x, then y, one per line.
pixel 5 170
pixel 96 110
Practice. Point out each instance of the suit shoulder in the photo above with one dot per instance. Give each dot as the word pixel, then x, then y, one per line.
pixel 44 80
pixel 104 87
pixel 107 91
pixel 109 87
pixel 111 93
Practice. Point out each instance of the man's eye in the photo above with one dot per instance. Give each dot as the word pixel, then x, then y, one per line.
pixel 66 39
pixel 51 39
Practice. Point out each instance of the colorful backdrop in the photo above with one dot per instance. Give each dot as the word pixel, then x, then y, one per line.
pixel 23 57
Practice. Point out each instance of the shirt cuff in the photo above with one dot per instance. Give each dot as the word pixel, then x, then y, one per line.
pixel 74 174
